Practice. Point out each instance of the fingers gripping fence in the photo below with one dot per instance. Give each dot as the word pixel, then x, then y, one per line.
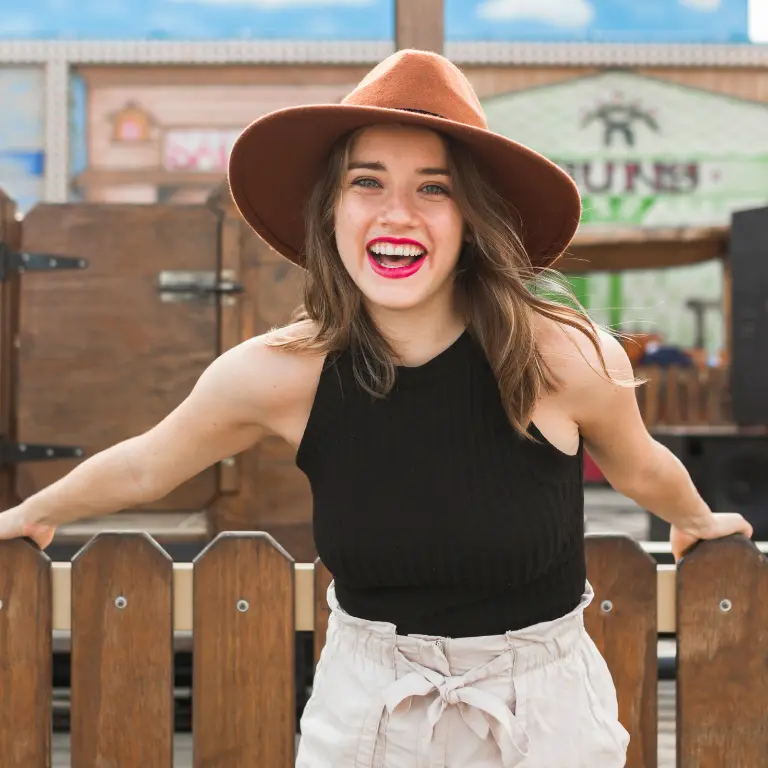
pixel 244 598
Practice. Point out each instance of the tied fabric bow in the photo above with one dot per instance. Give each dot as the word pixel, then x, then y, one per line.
pixel 481 711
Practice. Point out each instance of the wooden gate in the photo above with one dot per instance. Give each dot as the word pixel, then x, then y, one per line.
pixel 94 355
pixel 106 352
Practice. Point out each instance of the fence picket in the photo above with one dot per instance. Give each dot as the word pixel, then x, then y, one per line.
pixel 243 608
pixel 244 711
pixel 622 621
pixel 122 653
pixel 25 650
pixel 722 637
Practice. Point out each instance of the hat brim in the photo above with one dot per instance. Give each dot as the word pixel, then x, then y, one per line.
pixel 278 158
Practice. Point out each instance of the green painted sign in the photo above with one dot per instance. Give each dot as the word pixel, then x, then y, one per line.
pixel 647 152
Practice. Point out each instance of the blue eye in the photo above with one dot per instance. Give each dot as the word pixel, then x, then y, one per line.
pixel 439 189
pixel 363 182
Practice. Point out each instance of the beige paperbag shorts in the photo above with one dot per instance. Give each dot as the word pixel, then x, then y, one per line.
pixel 541 697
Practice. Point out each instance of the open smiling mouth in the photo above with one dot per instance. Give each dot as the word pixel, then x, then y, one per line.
pixel 390 260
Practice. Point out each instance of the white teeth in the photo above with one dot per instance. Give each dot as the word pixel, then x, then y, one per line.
pixel 388 249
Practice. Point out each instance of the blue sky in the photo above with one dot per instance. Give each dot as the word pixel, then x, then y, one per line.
pixel 613 20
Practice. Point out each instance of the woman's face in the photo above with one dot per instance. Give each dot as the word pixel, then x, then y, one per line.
pixel 398 230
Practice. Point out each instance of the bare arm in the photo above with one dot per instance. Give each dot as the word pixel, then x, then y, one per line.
pixel 616 437
pixel 227 411
pixel 630 459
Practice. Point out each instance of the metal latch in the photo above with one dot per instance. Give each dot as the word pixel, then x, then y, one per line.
pixel 17 261
pixel 196 285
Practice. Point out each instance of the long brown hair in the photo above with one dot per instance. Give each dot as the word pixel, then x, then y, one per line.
pixel 497 292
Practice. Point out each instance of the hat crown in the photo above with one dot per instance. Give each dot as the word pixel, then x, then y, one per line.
pixel 420 81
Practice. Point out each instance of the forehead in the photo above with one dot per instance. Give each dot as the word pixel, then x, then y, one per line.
pixel 405 143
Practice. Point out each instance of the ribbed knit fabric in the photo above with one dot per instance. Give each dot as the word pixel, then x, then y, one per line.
pixel 431 512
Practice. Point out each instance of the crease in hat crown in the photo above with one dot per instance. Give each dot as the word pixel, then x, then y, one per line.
pixel 420 81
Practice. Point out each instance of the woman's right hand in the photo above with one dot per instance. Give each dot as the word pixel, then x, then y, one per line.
pixel 12 526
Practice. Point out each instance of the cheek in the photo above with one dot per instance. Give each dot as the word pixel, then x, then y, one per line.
pixel 451 229
pixel 349 225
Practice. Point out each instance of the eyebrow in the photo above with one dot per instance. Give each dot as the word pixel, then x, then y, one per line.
pixel 377 166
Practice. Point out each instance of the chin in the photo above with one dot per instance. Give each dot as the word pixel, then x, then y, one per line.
pixel 404 294
pixel 399 301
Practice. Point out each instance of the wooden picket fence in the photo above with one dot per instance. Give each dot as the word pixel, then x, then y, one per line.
pixel 243 599
pixel 677 396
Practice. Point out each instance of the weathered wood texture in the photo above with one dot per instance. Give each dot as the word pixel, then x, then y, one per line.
pixel 244 711
pixel 104 356
pixel 622 622
pixel 10 294
pixel 262 489
pixel 722 678
pixel 122 653
pixel 25 655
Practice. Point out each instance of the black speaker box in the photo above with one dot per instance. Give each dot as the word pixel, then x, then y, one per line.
pixel 729 470
pixel 748 256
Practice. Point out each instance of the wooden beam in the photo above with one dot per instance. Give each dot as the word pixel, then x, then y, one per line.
pixel 419 24
pixel 641 248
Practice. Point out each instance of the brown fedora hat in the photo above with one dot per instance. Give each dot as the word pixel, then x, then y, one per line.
pixel 277 159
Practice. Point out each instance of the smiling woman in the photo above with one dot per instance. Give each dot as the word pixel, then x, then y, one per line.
pixel 396 216
pixel 440 409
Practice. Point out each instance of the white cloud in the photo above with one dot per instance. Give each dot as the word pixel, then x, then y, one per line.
pixel 278 5
pixel 702 5
pixel 561 13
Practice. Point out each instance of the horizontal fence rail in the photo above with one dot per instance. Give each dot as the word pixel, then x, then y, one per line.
pixel 122 599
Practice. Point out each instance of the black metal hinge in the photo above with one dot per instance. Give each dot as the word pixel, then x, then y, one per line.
pixel 18 261
pixel 15 453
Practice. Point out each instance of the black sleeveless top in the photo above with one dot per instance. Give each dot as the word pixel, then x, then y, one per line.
pixel 431 512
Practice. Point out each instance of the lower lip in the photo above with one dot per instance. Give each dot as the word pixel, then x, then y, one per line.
pixel 396 273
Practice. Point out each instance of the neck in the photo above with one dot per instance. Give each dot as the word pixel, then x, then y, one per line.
pixel 418 334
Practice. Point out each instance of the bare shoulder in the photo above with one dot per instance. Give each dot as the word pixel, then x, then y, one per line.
pixel 604 408
pixel 266 381
pixel 571 356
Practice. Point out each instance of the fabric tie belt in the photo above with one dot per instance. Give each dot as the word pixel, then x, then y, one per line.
pixel 481 711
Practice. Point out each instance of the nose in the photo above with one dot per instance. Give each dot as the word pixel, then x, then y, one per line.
pixel 397 209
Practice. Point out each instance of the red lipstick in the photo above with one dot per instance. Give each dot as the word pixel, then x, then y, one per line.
pixel 396 272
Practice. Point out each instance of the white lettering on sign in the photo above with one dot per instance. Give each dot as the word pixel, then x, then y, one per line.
pixel 198 149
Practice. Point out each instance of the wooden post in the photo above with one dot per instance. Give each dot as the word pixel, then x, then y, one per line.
pixel 622 621
pixel 25 645
pixel 244 711
pixel 419 24
pixel 722 635
pixel 122 653
pixel 10 299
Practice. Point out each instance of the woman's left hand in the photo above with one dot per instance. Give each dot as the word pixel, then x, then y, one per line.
pixel 721 524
